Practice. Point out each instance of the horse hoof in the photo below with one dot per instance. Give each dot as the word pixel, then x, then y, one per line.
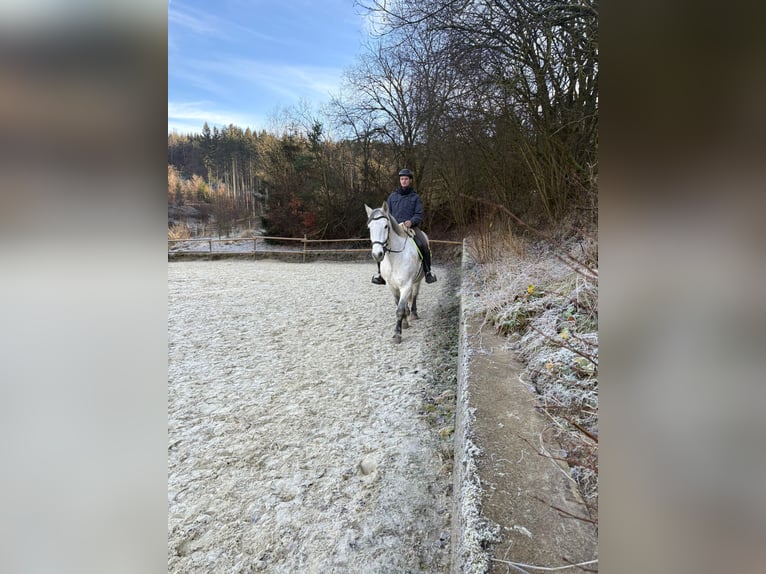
pixel 405 325
pixel 414 316
pixel 397 338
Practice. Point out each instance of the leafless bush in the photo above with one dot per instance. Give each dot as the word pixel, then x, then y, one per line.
pixel 493 238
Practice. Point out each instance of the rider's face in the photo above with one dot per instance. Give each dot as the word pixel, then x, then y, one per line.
pixel 404 181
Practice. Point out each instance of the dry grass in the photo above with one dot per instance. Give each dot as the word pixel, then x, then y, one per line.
pixel 179 231
pixel 249 234
pixel 548 308
pixel 492 239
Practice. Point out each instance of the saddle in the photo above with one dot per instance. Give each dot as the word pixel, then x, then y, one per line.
pixel 418 242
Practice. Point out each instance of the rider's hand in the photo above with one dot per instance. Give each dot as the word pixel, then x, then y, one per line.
pixel 408 224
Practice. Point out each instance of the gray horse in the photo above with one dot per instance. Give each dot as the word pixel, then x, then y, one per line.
pixel 400 263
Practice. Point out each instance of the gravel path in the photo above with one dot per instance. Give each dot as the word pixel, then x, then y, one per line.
pixel 297 435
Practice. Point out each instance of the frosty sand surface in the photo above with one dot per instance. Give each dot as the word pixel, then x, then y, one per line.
pixel 294 440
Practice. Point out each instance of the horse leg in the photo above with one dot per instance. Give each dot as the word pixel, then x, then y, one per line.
pixel 396 294
pixel 398 331
pixel 414 300
pixel 400 322
pixel 402 310
pixel 400 298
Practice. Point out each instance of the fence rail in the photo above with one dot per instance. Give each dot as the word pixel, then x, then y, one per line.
pixel 250 246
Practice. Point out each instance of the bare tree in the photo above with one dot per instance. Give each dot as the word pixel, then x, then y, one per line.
pixel 527 71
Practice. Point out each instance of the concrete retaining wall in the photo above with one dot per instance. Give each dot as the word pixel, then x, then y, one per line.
pixel 470 532
pixel 506 493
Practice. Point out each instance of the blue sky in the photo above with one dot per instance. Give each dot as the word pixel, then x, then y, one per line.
pixel 239 61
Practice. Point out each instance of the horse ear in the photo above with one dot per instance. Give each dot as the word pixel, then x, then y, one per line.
pixel 385 207
pixel 368 209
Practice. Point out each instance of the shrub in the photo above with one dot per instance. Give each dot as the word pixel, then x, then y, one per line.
pixel 179 231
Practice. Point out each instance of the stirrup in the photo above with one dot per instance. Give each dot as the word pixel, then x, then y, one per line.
pixel 430 277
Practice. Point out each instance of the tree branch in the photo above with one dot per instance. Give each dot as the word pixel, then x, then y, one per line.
pixel 584 270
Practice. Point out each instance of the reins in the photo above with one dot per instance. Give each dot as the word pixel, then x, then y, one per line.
pixel 386 248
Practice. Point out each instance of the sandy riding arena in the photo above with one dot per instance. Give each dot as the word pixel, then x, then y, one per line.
pixel 300 437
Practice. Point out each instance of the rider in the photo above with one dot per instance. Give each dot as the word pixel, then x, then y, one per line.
pixel 406 207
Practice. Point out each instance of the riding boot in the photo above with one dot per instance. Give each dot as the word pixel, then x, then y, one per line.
pixel 430 277
pixel 377 279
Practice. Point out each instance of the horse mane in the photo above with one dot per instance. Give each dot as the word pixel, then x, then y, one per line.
pixel 394 224
pixel 396 227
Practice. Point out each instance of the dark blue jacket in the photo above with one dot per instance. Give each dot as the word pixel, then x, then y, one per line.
pixel 405 204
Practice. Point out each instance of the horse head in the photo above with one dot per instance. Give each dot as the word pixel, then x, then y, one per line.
pixel 380 223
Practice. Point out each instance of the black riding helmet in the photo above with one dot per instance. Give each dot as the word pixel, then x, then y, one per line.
pixel 406 172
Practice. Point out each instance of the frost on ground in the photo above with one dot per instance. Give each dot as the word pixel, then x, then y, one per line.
pixel 300 438
pixel 549 312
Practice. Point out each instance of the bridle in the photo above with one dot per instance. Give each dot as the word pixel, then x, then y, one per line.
pixel 384 244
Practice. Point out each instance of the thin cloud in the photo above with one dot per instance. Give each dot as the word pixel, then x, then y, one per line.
pixel 193 20
pixel 191 116
pixel 292 82
pixel 190 74
pixel 206 24
pixel 222 70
